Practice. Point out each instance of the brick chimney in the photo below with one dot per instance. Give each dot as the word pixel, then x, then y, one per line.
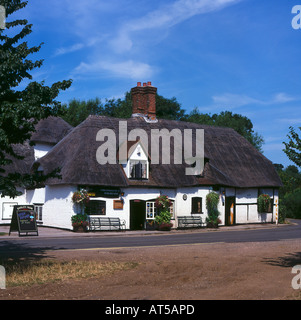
pixel 144 100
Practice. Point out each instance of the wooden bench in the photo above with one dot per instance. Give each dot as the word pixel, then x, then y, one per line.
pixel 190 221
pixel 105 223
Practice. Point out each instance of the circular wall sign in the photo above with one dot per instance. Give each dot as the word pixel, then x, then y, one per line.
pixel 185 197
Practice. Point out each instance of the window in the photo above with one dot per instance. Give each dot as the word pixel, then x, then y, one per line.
pixel 196 205
pixel 96 207
pixel 151 210
pixel 138 169
pixel 38 208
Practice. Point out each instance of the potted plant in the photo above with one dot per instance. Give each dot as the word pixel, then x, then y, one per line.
pixel 212 220
pixel 163 216
pixel 80 222
pixel 150 225
pixel 264 203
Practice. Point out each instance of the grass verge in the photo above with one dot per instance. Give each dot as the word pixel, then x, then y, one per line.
pixel 26 273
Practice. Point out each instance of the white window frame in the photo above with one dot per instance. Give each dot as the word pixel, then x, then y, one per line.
pixel 38 208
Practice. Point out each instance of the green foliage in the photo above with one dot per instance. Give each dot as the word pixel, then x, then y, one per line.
pixel 212 200
pixel 163 217
pixel 20 110
pixel 289 194
pixel 293 147
pixel 264 202
pixel 162 204
pixel 239 123
pixel 292 203
pixel 79 220
pixel 77 111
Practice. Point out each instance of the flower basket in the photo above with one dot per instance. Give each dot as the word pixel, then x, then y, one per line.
pixel 151 225
pixel 80 228
pixel 264 203
pixel 164 226
pixel 80 223
pixel 81 197
pixel 213 224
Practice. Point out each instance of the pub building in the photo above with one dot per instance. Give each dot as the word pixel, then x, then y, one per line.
pixel 128 187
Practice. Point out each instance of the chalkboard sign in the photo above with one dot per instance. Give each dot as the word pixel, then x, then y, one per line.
pixel 24 220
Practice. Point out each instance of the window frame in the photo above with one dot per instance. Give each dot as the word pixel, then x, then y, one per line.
pixel 38 209
pixel 193 205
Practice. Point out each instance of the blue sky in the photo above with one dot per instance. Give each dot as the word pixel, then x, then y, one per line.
pixel 237 55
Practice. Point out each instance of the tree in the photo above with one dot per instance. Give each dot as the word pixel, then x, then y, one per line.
pixel 239 123
pixel 20 110
pixel 77 111
pixel 293 147
pixel 290 192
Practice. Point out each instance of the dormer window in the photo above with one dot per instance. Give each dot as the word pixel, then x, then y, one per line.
pixel 138 169
pixel 137 165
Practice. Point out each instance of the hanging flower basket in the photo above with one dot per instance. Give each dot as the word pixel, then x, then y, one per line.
pixel 81 197
pixel 264 203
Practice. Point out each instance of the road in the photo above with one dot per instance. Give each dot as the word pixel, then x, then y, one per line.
pixel 36 245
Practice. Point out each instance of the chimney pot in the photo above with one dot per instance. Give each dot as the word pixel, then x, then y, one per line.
pixel 149 83
pixel 138 84
pixel 144 84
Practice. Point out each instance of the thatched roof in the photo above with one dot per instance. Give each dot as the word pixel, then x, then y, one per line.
pixel 51 130
pixel 231 159
pixel 24 165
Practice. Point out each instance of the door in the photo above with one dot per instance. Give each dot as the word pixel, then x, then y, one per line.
pixel 230 211
pixel 137 214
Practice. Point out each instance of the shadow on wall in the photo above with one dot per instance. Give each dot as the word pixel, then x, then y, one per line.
pixel 58 192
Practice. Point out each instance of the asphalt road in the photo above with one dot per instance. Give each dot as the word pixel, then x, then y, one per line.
pixel 32 246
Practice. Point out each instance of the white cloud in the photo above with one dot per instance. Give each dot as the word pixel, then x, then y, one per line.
pixel 73 48
pixel 282 98
pixel 291 121
pixel 165 17
pixel 125 69
pixel 232 101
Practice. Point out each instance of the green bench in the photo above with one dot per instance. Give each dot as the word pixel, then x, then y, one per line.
pixel 190 221
pixel 105 223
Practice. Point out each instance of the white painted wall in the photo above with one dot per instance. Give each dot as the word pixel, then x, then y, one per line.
pixel 6 206
pixel 246 206
pixel 41 149
pixel 183 207
pixel 58 207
